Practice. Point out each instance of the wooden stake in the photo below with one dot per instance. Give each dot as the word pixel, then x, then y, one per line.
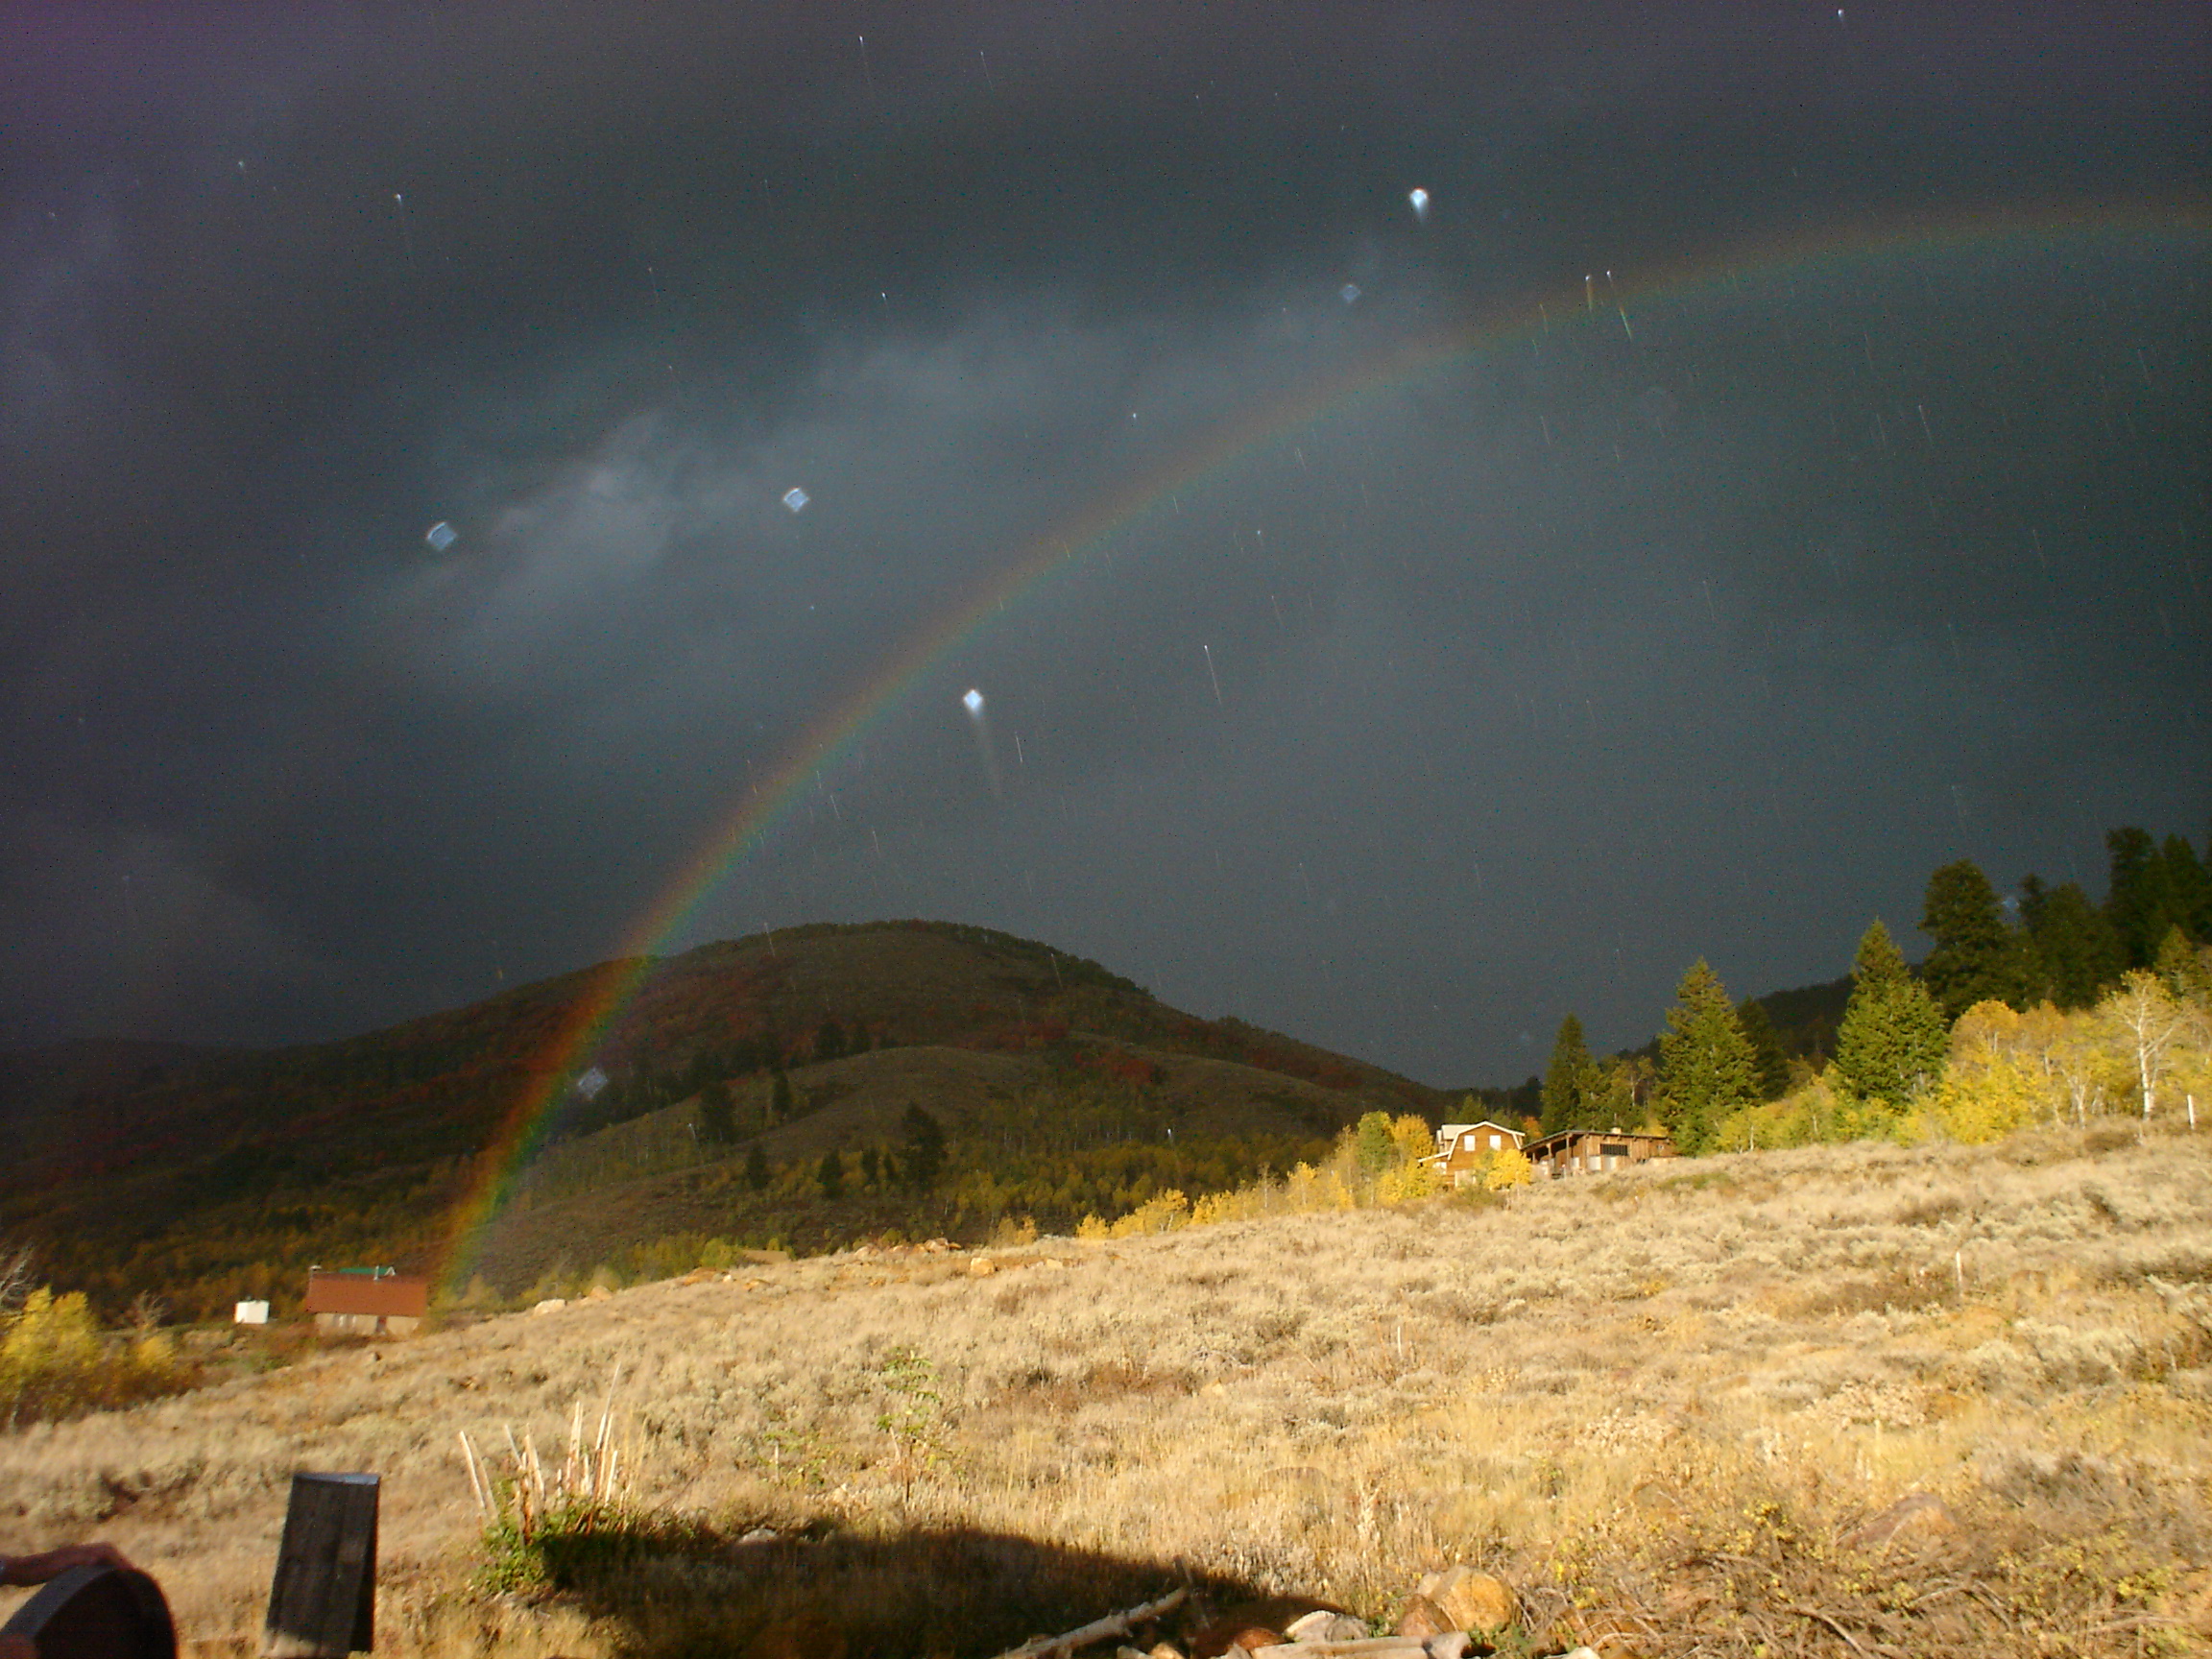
pixel 1113 1625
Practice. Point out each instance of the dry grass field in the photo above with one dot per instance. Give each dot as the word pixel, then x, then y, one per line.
pixel 1663 1405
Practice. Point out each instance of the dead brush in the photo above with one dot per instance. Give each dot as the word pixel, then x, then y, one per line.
pixel 1899 1288
pixel 542 1524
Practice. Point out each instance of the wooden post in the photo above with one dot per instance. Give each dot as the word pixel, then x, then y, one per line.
pixel 322 1599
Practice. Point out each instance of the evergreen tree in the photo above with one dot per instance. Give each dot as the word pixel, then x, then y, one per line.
pixel 1705 1064
pixel 1977 956
pixel 830 1041
pixel 2185 969
pixel 2136 902
pixel 2076 949
pixel 717 1119
pixel 1613 1098
pixel 2188 890
pixel 780 1100
pixel 1767 1057
pixel 1892 1039
pixel 831 1174
pixel 1568 1079
pixel 1372 1143
pixel 870 1171
pixel 924 1147
pixel 756 1169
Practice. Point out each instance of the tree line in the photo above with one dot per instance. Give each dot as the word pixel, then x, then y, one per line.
pixel 2047 946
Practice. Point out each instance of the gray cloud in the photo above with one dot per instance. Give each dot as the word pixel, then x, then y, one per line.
pixel 1538 672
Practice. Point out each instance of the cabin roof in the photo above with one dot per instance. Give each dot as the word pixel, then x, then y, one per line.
pixel 362 1290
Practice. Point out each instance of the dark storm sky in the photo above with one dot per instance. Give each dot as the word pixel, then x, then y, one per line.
pixel 1710 632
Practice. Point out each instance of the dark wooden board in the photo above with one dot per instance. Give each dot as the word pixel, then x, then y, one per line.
pixel 322 1599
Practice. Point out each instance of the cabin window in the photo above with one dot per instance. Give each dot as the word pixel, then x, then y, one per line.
pixel 1495 1142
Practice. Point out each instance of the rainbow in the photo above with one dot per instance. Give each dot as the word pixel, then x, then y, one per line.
pixel 608 988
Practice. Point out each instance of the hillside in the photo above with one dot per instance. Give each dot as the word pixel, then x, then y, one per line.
pixel 203 1176
pixel 1676 1404
pixel 46 1092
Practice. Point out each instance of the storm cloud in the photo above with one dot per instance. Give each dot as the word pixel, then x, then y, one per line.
pixel 1772 466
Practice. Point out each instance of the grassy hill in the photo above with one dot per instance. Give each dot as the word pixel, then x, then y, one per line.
pixel 1062 1088
pixel 1675 1408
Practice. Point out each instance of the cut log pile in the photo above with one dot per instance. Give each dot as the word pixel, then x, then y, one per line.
pixel 1454 1614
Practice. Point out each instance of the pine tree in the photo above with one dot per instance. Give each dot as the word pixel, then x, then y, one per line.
pixel 1568 1079
pixel 1705 1064
pixel 2188 890
pixel 1372 1143
pixel 1767 1056
pixel 924 1147
pixel 1892 1040
pixel 756 1169
pixel 831 1174
pixel 2136 899
pixel 1977 958
pixel 717 1119
pixel 1612 1100
pixel 2077 950
pixel 2184 968
pixel 780 1099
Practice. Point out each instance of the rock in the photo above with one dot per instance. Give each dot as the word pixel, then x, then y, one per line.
pixel 551 1305
pixel 699 1276
pixel 1564 1637
pixel 1250 1625
pixel 1473 1601
pixel 1166 1650
pixel 1422 1619
pixel 1448 1644
pixel 804 1636
pixel 1914 1518
pixel 1322 1626
pixel 982 1267
pixel 598 1293
pixel 1241 1641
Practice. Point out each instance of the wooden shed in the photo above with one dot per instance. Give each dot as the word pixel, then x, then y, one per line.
pixel 1595 1151
pixel 1462 1148
pixel 366 1301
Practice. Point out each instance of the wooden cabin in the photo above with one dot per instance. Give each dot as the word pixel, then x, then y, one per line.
pixel 366 1301
pixel 1595 1151
pixel 1462 1148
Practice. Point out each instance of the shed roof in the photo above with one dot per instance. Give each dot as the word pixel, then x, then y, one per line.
pixel 402 1294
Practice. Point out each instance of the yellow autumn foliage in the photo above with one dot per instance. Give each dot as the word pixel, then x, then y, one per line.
pixel 1985 1102
pixel 1506 1168
pixel 53 1363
